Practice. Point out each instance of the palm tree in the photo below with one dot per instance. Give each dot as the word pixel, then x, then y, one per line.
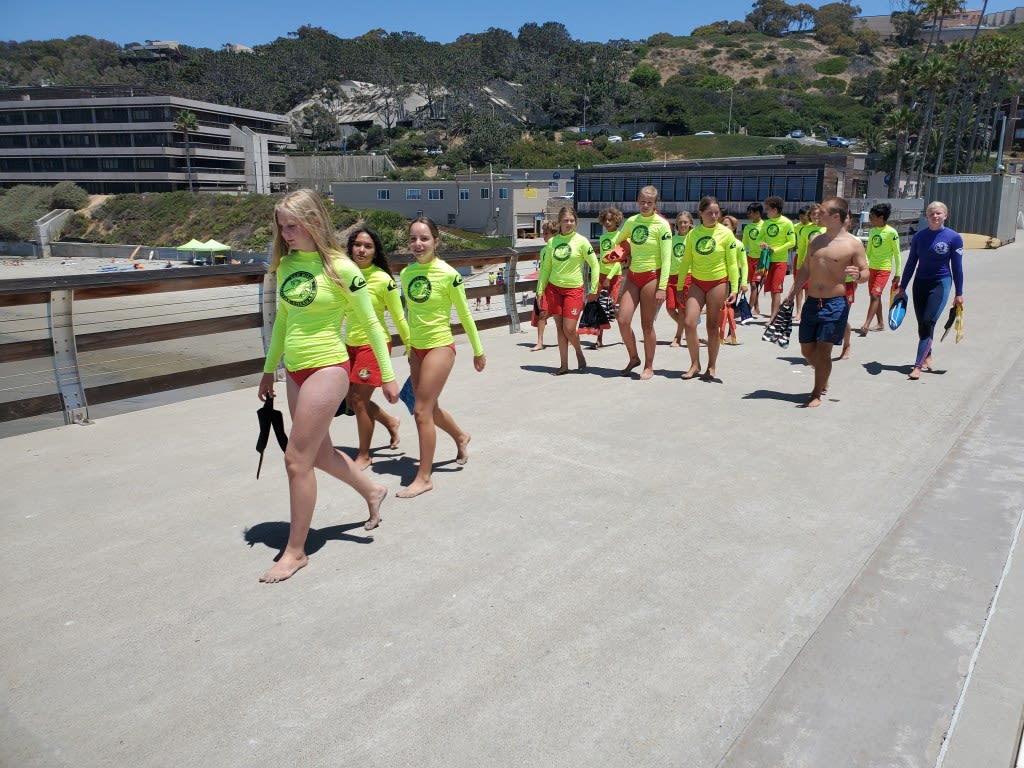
pixel 899 123
pixel 187 123
pixel 934 76
pixel 900 75
pixel 937 11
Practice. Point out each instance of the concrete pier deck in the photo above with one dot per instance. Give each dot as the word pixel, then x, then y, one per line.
pixel 626 573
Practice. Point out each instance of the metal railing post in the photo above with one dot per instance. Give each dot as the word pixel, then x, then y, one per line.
pixel 511 308
pixel 65 357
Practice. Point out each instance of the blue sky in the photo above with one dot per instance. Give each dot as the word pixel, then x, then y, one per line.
pixel 210 24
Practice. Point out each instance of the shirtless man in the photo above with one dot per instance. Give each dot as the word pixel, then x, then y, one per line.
pixel 832 256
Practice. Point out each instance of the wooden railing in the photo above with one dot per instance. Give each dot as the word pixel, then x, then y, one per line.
pixel 38 321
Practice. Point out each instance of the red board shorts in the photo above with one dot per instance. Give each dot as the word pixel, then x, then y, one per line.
pixel 365 369
pixel 567 302
pixel 612 285
pixel 640 279
pixel 671 300
pixel 877 278
pixel 776 276
pixel 299 377
pixel 752 268
pixel 851 292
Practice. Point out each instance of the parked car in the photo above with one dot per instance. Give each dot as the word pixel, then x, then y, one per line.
pixel 704 133
pixel 796 133
pixel 614 139
pixel 638 136
pixel 838 141
pixel 585 142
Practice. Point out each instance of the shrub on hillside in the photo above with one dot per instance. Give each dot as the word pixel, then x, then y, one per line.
pixel 830 85
pixel 836 66
pixel 67 194
pixel 20 208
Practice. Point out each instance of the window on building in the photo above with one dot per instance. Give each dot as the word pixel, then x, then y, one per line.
pixel 452 219
pixel 44 141
pixel 72 116
pixel 79 140
pixel 414 194
pixel 12 118
pixel 463 194
pixel 41 117
pixel 11 141
pixel 115 139
pixel 383 194
pixel 14 164
pixel 503 193
pixel 111 115
pixel 147 115
pixel 435 194
pixel 485 193
pixel 48 164
pixel 83 164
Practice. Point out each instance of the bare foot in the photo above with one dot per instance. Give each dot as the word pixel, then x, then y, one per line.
pixel 374 520
pixel 560 372
pixel 393 432
pixel 814 402
pixel 709 375
pixel 581 362
pixel 362 462
pixel 284 568
pixel 415 488
pixel 598 344
pixel 646 373
pixel 462 455
pixel 915 374
pixel 675 343
pixel 537 348
pixel 691 373
pixel 846 354
pixel 863 330
pixel 634 363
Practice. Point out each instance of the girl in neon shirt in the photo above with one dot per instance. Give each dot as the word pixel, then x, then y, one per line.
pixel 317 284
pixel 365 249
pixel 673 305
pixel 611 273
pixel 650 249
pixel 540 317
pixel 431 288
pixel 561 283
pixel 711 258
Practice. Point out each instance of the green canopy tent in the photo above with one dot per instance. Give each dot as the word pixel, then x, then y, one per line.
pixel 192 245
pixel 216 249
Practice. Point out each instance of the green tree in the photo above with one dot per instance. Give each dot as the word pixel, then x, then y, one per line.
pixel 645 77
pixel 773 17
pixel 899 123
pixel 318 123
pixel 186 123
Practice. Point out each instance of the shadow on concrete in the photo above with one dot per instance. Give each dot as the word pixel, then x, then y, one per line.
pixel 275 536
pixel 874 368
pixel 769 394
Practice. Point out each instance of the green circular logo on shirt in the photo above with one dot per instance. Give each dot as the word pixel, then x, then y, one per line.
pixel 772 230
pixel 419 289
pixel 562 252
pixel 876 240
pixel 705 246
pixel 678 250
pixel 299 289
pixel 639 234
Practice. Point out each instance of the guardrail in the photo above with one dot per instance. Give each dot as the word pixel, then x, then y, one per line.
pixel 44 318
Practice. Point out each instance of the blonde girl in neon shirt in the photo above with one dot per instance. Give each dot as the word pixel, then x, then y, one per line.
pixel 673 305
pixel 650 257
pixel 561 283
pixel 317 284
pixel 366 250
pixel 710 257
pixel 431 288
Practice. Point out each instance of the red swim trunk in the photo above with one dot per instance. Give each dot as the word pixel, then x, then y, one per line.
pixel 612 285
pixel 707 285
pixel 851 292
pixel 567 302
pixel 671 300
pixel 299 377
pixel 752 268
pixel 640 279
pixel 877 278
pixel 421 353
pixel 776 276
pixel 365 369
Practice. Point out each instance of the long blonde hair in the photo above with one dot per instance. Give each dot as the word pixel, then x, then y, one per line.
pixel 306 206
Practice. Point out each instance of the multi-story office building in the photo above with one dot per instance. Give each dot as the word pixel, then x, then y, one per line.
pixel 111 139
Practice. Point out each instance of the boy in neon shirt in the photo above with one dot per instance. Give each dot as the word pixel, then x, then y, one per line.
pixel 752 248
pixel 779 235
pixel 883 260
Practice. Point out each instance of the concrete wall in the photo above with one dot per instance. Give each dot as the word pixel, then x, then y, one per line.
pixel 318 172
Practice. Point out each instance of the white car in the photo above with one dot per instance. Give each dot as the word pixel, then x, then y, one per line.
pixel 638 136
pixel 614 139
pixel 704 133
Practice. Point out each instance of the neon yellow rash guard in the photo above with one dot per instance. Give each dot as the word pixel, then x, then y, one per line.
pixel 780 236
pixel 807 234
pixel 742 268
pixel 383 295
pixel 310 307
pixel 606 243
pixel 711 254
pixel 884 249
pixel 678 248
pixel 564 266
pixel 650 244
pixel 431 290
pixel 752 239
